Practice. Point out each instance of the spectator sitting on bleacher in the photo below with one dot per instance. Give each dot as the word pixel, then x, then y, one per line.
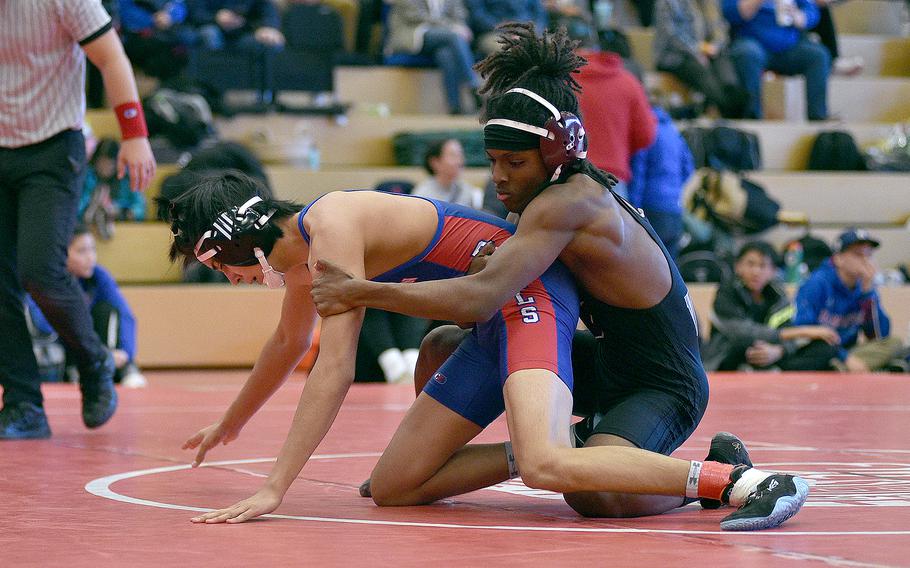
pixel 485 15
pixel 104 197
pixel 248 25
pixel 154 35
pixel 444 161
pixel 618 118
pixel 841 295
pixel 437 29
pixel 573 15
pixel 751 317
pixel 659 174
pixel 770 35
pixel 112 318
pixel 827 35
pixel 690 43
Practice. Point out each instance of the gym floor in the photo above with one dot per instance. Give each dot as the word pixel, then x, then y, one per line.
pixel 123 495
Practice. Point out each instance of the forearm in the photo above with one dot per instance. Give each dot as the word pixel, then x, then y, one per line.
pixel 275 363
pixel 119 82
pixel 319 404
pixel 796 332
pixel 458 299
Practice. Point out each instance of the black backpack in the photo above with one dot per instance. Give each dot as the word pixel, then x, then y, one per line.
pixel 703 266
pixel 836 150
pixel 183 119
pixel 815 250
pixel 724 148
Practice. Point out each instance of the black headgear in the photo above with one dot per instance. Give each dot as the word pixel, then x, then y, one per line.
pixel 235 234
pixel 562 138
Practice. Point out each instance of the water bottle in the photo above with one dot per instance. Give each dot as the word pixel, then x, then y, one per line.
pixel 794 267
pixel 313 156
pixel 603 14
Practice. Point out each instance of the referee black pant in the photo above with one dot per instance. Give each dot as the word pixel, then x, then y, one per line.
pixel 40 187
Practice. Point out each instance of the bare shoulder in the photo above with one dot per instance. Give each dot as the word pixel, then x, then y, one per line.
pixel 567 205
pixel 334 210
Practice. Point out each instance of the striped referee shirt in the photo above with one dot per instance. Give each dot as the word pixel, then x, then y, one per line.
pixel 42 66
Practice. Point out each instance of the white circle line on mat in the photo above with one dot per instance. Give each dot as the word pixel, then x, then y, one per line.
pixel 102 488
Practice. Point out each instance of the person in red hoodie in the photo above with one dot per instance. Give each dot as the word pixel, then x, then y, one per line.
pixel 618 119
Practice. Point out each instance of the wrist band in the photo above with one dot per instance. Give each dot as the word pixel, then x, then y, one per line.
pixel 692 480
pixel 132 120
pixel 510 458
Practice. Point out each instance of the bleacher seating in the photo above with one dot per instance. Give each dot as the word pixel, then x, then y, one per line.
pixel 182 315
pixel 356 152
pixel 365 140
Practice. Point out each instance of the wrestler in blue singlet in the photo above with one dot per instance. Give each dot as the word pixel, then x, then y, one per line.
pixel 533 331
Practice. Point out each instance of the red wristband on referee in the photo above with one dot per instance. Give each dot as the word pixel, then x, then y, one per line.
pixel 132 120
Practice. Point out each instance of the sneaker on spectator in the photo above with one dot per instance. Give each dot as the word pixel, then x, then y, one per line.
pixel 838 365
pixel 725 448
pixel 133 379
pixel 99 397
pixel 848 66
pixel 23 421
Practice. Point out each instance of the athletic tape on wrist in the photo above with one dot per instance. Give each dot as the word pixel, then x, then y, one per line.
pixel 692 480
pixel 131 120
pixel 510 458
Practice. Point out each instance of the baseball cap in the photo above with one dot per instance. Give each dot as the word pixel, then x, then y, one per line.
pixel 853 236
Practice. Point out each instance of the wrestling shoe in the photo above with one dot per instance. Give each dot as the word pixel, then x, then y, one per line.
pixel 99 397
pixel 23 421
pixel 725 448
pixel 777 498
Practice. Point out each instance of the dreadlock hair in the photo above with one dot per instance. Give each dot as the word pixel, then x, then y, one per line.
pixel 542 64
pixel 192 212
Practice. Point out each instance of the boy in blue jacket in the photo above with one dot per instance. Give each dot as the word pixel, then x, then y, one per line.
pixel 113 320
pixel 659 173
pixel 841 294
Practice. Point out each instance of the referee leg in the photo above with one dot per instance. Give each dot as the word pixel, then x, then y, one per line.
pixel 48 201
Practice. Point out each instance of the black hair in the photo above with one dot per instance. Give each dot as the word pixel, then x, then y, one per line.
pixel 434 150
pixel 761 247
pixel 79 230
pixel 106 148
pixel 192 212
pixel 543 64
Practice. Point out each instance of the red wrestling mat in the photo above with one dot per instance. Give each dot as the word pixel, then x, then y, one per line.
pixel 123 495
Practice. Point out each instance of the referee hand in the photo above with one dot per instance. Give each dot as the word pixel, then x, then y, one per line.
pixel 136 157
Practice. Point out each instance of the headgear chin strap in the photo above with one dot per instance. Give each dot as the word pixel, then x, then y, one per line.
pixel 562 138
pixel 272 278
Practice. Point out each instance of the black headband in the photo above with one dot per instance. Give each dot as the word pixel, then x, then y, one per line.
pixel 498 137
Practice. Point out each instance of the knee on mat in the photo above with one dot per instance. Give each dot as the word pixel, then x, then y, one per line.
pixel 600 505
pixel 391 490
pixel 386 492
